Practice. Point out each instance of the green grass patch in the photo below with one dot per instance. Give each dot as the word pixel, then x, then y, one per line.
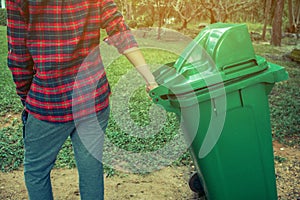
pixel 284 98
pixel 9 102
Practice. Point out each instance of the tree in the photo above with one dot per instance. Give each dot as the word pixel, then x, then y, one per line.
pixel 128 8
pixel 187 10
pixel 219 11
pixel 268 5
pixel 297 12
pixel 292 25
pixel 293 14
pixel 161 9
pixel 277 24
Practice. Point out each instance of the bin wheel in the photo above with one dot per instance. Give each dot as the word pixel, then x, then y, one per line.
pixel 195 184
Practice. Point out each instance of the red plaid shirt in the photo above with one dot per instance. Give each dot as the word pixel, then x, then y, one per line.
pixel 54 56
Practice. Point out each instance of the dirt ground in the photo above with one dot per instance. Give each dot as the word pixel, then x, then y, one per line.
pixel 168 183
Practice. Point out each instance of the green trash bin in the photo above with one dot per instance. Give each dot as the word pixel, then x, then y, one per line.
pixel 219 89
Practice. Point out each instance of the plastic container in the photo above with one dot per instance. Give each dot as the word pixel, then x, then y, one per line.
pixel 219 89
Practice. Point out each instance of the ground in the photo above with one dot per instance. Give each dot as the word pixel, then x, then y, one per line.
pixel 168 183
pixel 287 168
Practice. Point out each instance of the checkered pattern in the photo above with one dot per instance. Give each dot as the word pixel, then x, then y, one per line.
pixel 53 50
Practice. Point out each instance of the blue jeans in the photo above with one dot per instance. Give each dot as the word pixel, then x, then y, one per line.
pixel 42 142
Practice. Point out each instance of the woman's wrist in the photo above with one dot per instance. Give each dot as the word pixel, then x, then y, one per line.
pixel 146 74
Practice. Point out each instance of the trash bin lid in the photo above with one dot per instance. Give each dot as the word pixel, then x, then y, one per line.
pixel 220 50
pixel 221 56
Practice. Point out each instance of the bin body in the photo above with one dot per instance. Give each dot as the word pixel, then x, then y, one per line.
pixel 239 163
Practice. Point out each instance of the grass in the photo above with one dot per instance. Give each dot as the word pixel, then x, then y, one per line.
pixel 285 97
pixel 10 102
pixel 284 109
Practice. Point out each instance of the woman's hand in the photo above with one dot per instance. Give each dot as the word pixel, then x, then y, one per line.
pixel 151 86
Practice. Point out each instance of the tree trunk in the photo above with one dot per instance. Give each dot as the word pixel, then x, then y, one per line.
pixel 184 24
pixel 266 21
pixel 152 9
pixel 212 16
pixel 160 23
pixel 297 12
pixel 277 24
pixel 292 25
pixel 129 11
pixel 224 19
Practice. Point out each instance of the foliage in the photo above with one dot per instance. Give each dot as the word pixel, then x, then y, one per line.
pixel 193 10
pixel 221 11
pixel 3 17
pixel 187 10
pixel 11 146
pixel 164 13
pixel 280 159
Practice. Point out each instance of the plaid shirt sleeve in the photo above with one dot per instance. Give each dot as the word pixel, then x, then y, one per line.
pixel 19 59
pixel 119 34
